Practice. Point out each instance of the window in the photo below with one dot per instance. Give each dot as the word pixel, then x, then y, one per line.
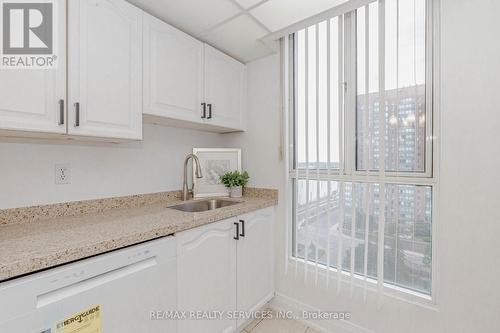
pixel 361 123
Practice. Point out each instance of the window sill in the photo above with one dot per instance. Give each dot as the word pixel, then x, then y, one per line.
pixel 395 292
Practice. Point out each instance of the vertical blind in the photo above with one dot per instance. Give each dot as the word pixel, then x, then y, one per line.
pixel 361 166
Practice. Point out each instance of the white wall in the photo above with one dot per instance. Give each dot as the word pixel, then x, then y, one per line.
pixel 260 143
pixel 98 170
pixel 470 162
pixel 468 269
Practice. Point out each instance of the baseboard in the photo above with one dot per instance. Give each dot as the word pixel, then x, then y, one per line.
pixel 259 306
pixel 285 303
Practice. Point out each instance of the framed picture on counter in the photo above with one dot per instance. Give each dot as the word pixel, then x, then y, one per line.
pixel 214 163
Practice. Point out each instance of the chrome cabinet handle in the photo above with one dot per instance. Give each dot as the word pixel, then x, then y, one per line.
pixel 61 112
pixel 77 114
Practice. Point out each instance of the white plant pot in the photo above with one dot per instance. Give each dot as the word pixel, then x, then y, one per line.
pixel 236 192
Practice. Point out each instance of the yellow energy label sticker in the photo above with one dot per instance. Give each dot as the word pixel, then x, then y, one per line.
pixel 86 321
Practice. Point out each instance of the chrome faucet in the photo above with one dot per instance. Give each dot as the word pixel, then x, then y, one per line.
pixel 185 190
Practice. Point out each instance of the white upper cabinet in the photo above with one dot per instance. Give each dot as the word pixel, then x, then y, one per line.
pixel 173 72
pixel 31 100
pixel 105 69
pixel 255 260
pixel 190 84
pixel 225 89
pixel 119 63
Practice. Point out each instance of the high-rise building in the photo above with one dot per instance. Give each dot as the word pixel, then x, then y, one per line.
pixel 404 130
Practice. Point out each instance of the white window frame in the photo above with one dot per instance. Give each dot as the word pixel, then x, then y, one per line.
pixel 347 172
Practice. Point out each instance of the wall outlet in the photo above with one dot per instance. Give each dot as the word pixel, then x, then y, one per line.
pixel 63 174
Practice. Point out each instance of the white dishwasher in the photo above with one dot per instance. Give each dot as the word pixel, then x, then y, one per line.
pixel 110 293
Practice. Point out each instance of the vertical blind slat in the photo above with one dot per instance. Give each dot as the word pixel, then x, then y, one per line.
pixel 366 143
pixel 306 98
pixel 328 158
pixel 381 226
pixel 353 233
pixel 367 230
pixel 284 85
pixel 296 127
pixel 397 87
pixel 398 138
pixel 317 157
pixel 341 148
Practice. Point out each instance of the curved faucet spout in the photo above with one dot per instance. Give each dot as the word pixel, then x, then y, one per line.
pixel 196 162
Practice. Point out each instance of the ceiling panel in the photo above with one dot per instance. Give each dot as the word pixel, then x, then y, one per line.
pixel 248 3
pixel 279 14
pixel 191 16
pixel 229 26
pixel 239 38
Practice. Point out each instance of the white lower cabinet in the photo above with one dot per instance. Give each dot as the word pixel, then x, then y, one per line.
pixel 219 269
pixel 255 261
pixel 206 273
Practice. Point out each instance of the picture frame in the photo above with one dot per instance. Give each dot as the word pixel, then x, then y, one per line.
pixel 214 163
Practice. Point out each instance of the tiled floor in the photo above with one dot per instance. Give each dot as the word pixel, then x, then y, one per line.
pixel 275 325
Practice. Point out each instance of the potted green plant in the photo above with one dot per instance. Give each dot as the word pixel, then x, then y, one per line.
pixel 235 181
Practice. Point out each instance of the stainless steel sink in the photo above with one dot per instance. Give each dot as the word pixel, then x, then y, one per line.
pixel 204 205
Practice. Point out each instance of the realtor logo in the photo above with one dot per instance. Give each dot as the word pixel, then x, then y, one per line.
pixel 27 34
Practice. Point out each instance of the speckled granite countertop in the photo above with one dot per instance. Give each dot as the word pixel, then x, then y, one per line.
pixel 34 244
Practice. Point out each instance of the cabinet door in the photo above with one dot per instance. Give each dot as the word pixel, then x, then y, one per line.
pixel 173 72
pixel 105 69
pixel 225 89
pixel 29 99
pixel 255 271
pixel 206 267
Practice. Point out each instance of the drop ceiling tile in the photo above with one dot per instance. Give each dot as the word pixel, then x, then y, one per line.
pixel 239 38
pixel 248 3
pixel 279 14
pixel 191 16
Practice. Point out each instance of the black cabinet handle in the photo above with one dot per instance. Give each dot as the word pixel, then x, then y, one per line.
pixel 209 111
pixel 204 115
pixel 242 234
pixel 61 112
pixel 237 237
pixel 77 114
